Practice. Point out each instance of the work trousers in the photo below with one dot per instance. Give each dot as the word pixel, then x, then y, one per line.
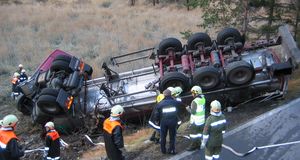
pixel 166 126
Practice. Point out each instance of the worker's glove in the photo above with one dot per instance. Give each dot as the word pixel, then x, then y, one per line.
pixel 179 122
pixel 63 143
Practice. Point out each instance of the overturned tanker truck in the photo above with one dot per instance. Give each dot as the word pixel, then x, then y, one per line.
pixel 227 69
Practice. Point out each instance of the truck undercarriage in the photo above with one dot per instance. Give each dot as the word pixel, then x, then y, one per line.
pixel 227 69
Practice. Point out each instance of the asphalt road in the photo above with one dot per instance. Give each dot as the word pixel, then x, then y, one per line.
pixel 280 125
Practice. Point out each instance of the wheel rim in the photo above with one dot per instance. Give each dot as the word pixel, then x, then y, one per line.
pixel 240 75
pixel 208 81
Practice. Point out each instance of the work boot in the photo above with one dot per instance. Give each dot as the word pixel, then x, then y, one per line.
pixel 157 141
pixel 171 152
pixel 153 138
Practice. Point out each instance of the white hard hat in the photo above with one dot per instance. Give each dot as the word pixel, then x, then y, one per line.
pixel 21 65
pixel 178 91
pixel 215 106
pixel 9 120
pixel 16 74
pixel 23 71
pixel 49 124
pixel 116 111
pixel 197 90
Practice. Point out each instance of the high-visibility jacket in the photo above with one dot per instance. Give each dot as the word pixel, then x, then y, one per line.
pixel 198 118
pixel 9 149
pixel 53 144
pixel 113 138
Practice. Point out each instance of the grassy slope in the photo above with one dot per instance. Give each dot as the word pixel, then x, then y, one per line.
pixel 93 30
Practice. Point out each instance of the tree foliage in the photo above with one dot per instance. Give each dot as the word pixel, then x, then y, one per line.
pixel 259 17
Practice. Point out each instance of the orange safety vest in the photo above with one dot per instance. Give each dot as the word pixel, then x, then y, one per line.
pixel 53 134
pixel 14 80
pixel 5 137
pixel 109 126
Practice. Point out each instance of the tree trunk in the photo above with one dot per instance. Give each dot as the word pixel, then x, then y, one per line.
pixel 270 18
pixel 245 21
pixel 297 4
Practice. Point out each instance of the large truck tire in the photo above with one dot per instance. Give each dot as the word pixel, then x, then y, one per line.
pixel 38 116
pixel 173 79
pixel 169 43
pixel 24 105
pixel 198 39
pixel 63 58
pixel 239 73
pixel 60 65
pixel 48 104
pixel 228 35
pixel 207 77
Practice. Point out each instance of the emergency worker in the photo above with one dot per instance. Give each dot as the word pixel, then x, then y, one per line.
pixel 9 147
pixel 23 76
pixel 52 143
pixel 113 137
pixel 15 82
pixel 175 92
pixel 20 68
pixel 167 114
pixel 155 125
pixel 197 119
pixel 214 129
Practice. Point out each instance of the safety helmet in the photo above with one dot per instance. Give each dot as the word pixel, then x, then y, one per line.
pixel 49 125
pixel 196 90
pixel 23 71
pixel 9 120
pixel 215 106
pixel 116 111
pixel 20 65
pixel 178 91
pixel 16 74
pixel 172 90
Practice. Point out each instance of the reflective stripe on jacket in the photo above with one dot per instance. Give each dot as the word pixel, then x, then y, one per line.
pixel 199 117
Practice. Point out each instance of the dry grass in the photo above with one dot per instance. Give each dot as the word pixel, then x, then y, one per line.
pixel 91 29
